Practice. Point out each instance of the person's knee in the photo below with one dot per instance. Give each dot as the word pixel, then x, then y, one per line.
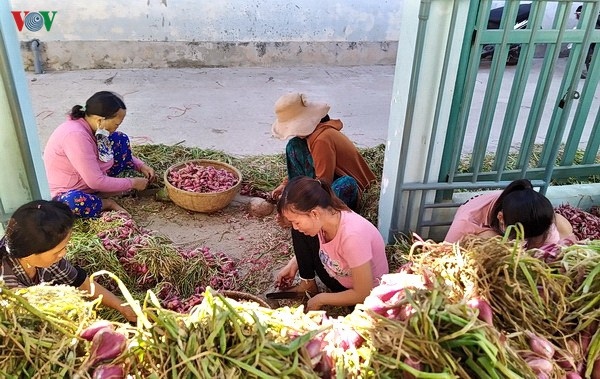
pixel 346 188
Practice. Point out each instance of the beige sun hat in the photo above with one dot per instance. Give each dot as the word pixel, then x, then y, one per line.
pixel 296 116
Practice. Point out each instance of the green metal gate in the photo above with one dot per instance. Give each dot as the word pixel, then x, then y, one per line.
pixel 538 119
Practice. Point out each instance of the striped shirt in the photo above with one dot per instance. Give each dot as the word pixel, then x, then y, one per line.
pixel 62 272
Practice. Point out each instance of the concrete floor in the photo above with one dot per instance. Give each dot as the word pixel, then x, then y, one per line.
pixel 228 109
pixel 231 109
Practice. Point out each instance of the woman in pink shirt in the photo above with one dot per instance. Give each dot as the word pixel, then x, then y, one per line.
pixel 85 154
pixel 488 215
pixel 351 256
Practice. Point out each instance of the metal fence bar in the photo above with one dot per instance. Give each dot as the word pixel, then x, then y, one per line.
pixel 540 98
pixel 587 93
pixel 409 205
pixel 478 178
pixel 578 125
pixel 492 91
pixel 458 123
pixel 3 216
pixel 593 146
pixel 559 172
pixel 410 187
pixel 562 105
pixel 519 84
pixel 560 116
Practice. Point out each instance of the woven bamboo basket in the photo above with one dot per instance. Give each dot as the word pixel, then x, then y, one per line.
pixel 244 296
pixel 207 202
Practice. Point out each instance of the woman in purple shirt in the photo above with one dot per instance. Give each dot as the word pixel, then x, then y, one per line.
pixel 85 154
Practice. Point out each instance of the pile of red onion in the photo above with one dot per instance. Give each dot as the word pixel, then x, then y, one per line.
pixel 194 177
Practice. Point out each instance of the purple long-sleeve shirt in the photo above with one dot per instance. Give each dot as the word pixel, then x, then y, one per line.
pixel 71 161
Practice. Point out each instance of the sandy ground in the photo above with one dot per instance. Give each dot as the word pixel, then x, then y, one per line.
pixel 258 245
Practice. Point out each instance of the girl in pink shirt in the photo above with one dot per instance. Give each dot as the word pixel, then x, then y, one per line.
pixel 488 215
pixel 351 256
pixel 85 154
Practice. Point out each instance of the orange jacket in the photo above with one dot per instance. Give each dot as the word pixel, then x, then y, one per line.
pixel 334 154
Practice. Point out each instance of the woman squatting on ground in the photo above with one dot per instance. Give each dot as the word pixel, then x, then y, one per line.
pixel 84 155
pixel 317 149
pixel 350 259
pixel 489 215
pixel 33 252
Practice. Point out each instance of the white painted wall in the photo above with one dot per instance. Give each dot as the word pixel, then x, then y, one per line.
pixel 215 20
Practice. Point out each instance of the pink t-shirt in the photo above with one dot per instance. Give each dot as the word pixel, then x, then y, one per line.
pixel 356 242
pixel 71 161
pixel 472 218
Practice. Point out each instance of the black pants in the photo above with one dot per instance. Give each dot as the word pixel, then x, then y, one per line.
pixel 306 249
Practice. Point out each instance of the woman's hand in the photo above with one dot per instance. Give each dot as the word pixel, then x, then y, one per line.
pixel 314 303
pixel 139 184
pixel 128 313
pixel 276 193
pixel 286 275
pixel 108 299
pixel 148 173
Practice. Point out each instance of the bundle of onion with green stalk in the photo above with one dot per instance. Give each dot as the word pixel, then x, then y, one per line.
pixel 144 260
pixel 506 314
pixel 39 331
pixel 581 262
pixel 415 330
pixel 543 305
pixel 219 338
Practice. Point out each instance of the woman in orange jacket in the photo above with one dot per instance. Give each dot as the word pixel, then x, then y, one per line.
pixel 318 149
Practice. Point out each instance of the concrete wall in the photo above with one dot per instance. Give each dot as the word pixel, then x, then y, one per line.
pixel 199 33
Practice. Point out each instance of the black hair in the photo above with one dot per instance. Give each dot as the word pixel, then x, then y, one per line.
pixel 325 118
pixel 104 104
pixel 520 203
pixel 302 194
pixel 37 227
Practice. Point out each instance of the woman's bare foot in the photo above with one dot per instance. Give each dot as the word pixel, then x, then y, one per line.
pixel 111 205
